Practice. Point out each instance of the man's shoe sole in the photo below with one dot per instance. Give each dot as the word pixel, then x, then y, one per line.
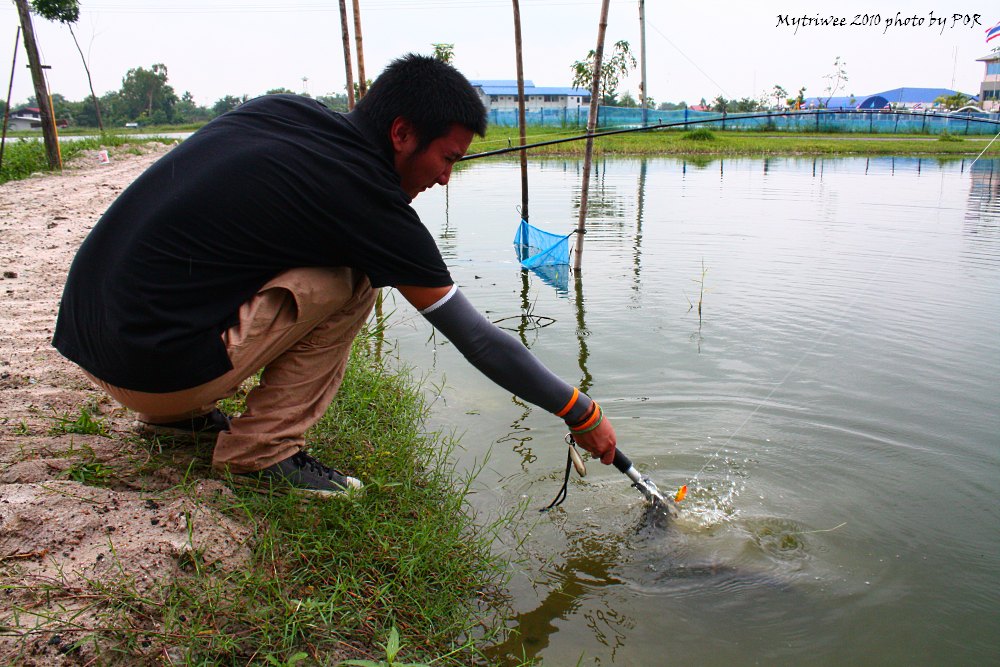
pixel 266 486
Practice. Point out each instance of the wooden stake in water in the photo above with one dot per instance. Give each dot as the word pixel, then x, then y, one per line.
pixel 595 88
pixel 520 110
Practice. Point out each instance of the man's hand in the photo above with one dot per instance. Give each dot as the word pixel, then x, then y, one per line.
pixel 600 442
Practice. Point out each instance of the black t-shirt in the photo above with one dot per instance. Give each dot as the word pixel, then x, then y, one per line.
pixel 281 182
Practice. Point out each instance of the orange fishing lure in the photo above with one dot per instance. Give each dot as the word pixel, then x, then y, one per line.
pixel 681 492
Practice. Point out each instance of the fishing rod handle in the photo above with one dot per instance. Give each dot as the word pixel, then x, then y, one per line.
pixel 622 462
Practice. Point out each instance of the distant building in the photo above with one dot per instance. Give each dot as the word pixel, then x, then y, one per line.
pixel 29 118
pixel 502 94
pixel 897 98
pixel 989 89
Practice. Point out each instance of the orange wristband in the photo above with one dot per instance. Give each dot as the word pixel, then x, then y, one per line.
pixel 572 402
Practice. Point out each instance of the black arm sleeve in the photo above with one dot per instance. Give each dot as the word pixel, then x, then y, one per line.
pixel 501 357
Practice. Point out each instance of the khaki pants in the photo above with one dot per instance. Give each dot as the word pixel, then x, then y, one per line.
pixel 298 328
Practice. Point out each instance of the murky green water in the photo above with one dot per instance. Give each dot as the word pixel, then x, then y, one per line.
pixel 835 412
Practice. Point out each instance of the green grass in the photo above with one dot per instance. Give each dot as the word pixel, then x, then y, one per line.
pixel 329 577
pixel 23 156
pixel 681 142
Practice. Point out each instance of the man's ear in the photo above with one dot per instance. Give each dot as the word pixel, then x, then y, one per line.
pixel 403 135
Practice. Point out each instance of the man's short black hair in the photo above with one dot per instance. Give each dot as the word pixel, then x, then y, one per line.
pixel 429 93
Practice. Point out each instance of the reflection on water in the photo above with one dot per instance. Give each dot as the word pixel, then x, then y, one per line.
pixel 834 410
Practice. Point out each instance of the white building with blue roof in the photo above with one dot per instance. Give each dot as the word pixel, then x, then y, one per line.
pixel 501 94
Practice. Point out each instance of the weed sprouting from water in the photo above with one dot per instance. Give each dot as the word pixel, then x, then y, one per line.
pixel 701 300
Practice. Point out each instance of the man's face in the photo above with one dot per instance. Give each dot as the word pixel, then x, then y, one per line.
pixel 422 169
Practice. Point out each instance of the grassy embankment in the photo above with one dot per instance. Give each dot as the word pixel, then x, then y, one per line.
pixel 327 578
pixel 24 154
pixel 406 554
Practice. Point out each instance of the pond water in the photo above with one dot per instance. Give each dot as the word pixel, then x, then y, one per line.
pixel 835 409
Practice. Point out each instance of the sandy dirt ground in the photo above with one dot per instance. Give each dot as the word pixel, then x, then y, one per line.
pixel 81 514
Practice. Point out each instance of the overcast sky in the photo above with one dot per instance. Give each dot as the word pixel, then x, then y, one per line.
pixel 694 49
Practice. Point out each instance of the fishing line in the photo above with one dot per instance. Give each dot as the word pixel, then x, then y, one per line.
pixel 984 150
pixel 794 367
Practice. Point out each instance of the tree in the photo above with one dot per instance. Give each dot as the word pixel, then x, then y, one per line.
pixel 800 99
pixel 778 93
pixel 671 106
pixel 368 84
pixel 956 101
pixel 720 104
pixel 835 80
pixel 67 12
pixel 613 70
pixel 147 95
pixel 333 102
pixel 444 52
pixel 227 103
pixel 186 111
pixel 627 101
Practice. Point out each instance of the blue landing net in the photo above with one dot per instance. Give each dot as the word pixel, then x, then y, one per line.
pixel 545 253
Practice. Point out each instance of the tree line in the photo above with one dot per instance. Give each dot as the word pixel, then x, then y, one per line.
pixel 147 98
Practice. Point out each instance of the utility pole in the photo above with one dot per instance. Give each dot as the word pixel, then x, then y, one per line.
pixel 595 89
pixel 359 49
pixel 347 54
pixel 41 90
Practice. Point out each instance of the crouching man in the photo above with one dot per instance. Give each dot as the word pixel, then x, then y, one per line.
pixel 259 243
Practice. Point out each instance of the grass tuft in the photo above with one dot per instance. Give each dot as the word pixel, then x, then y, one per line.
pixel 701 134
pixel 86 423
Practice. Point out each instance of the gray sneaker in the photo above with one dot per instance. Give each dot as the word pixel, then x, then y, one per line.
pixel 301 473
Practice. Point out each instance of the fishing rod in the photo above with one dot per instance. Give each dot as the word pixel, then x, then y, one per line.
pixel 722 119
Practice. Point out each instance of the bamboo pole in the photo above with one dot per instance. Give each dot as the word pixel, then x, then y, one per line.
pixel 642 61
pixel 359 50
pixel 595 87
pixel 347 54
pixel 520 110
